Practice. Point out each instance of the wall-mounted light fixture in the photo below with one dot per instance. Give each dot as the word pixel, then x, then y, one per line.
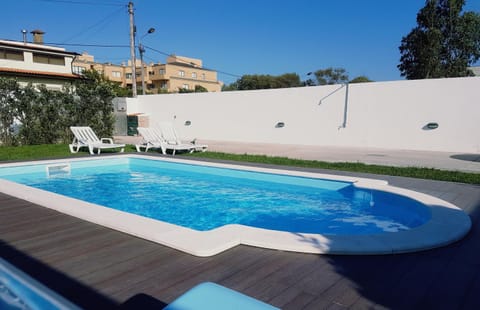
pixel 188 123
pixel 430 126
pixel 280 125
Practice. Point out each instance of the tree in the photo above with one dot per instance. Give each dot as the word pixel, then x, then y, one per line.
pixel 93 104
pixel 49 113
pixel 230 87
pixel 182 90
pixel 331 76
pixel 200 89
pixel 287 80
pixel 250 82
pixel 27 115
pixel 262 81
pixel 360 79
pixel 44 115
pixel 120 91
pixel 444 43
pixel 197 89
pixel 9 89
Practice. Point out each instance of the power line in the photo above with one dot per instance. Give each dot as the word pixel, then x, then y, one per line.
pixel 150 58
pixel 104 20
pixel 150 48
pixel 87 45
pixel 189 63
pixel 85 2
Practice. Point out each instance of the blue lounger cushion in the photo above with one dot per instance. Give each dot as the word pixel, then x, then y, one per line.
pixel 211 296
pixel 20 291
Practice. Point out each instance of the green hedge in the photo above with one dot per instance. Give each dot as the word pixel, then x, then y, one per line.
pixel 37 115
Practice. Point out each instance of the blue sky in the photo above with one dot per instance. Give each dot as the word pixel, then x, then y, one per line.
pixel 232 37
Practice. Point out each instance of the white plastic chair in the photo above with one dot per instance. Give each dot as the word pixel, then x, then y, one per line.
pixel 171 137
pixel 153 139
pixel 84 136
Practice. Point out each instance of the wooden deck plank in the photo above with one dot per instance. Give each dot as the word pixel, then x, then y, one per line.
pixel 63 236
pixel 111 268
pixel 238 259
pixel 472 299
pixel 300 301
pixel 289 297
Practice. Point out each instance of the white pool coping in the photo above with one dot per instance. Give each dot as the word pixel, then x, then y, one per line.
pixel 448 223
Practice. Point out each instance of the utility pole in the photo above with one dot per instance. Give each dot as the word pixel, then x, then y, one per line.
pixel 141 50
pixel 132 49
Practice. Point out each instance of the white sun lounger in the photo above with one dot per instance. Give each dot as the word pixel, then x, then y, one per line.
pixel 170 135
pixel 153 139
pixel 84 136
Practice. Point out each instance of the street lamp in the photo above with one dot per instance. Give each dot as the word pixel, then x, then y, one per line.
pixel 141 50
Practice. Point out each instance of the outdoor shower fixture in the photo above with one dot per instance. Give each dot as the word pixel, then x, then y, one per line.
pixel 345 108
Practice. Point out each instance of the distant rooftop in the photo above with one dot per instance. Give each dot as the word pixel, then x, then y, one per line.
pixel 34 46
pixel 46 74
pixel 182 60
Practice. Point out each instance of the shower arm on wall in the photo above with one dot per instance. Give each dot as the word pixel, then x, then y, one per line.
pixel 345 108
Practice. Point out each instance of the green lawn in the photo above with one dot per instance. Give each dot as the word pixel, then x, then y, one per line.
pixel 33 152
pixel 413 172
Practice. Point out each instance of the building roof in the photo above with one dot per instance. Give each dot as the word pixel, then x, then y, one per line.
pixel 44 74
pixel 182 64
pixel 36 47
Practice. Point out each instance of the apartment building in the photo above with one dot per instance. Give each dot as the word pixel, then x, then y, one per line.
pixel 36 63
pixel 177 73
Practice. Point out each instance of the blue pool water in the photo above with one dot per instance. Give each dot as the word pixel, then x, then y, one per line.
pixel 204 198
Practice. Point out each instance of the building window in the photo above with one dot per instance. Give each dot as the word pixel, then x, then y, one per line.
pixel 194 75
pixel 78 70
pixel 11 54
pixel 181 73
pixel 151 72
pixel 185 86
pixel 128 76
pixel 163 85
pixel 161 71
pixel 203 76
pixel 116 74
pixel 48 59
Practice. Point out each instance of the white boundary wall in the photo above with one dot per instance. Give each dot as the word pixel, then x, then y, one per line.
pixel 389 115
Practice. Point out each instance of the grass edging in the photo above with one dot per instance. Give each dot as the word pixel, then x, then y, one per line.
pixel 37 152
pixel 412 172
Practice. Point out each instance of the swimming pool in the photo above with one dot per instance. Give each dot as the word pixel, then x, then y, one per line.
pixel 205 208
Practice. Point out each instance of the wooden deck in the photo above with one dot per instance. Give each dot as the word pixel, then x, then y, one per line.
pixel 98 268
